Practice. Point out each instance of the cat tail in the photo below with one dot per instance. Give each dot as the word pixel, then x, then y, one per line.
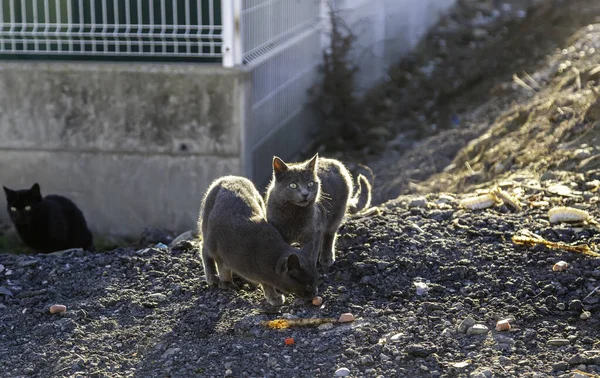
pixel 362 198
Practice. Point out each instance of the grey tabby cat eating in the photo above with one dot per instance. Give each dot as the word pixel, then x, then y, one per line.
pixel 238 239
pixel 308 201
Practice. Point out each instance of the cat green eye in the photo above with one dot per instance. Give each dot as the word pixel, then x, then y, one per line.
pixel 293 185
pixel 13 209
pixel 27 208
pixel 311 183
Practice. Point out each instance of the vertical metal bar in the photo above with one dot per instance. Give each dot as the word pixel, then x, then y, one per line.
pixel 93 26
pixel 36 43
pixel 24 25
pixel 58 25
pixel 151 12
pixel 140 26
pixel 175 29
pixel 188 25
pixel 70 26
pixel 128 27
pixel 2 22
pixel 211 22
pixel 11 31
pixel 163 28
pixel 231 34
pixel 104 26
pixel 82 43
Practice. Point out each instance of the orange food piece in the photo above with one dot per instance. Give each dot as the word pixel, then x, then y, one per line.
pixel 289 341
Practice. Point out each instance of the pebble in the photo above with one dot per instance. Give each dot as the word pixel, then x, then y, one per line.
pixel 560 266
pixel 487 373
pixel 467 323
pixel 58 309
pixel 558 342
pixel 419 202
pixel 576 305
pixel 228 373
pixel 502 325
pixel 317 301
pixel 346 318
pixel 342 372
pixel 477 329
pixel 585 315
pixel 581 154
pixel 1 268
pixel 158 297
pixel 325 327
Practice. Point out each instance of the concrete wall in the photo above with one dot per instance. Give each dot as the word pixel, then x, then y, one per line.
pixel 133 145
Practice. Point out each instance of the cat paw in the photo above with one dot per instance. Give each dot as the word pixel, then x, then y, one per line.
pixel 276 301
pixel 226 285
pixel 326 262
pixel 212 279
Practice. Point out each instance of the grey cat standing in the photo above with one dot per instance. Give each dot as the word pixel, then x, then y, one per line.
pixel 309 200
pixel 238 239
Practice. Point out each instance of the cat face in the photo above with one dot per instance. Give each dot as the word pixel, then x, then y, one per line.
pixel 21 204
pixel 296 183
pixel 298 275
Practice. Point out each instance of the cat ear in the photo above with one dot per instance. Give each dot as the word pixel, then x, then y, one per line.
pixel 35 190
pixel 278 165
pixel 313 163
pixel 293 262
pixel 9 193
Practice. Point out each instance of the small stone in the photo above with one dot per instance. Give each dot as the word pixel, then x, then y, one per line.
pixel 169 352
pixel 396 338
pixel 585 315
pixel 1 268
pixel 486 373
pixel 467 323
pixel 560 266
pixel 158 297
pixel 576 305
pixel 477 329
pixel 560 366
pixel 419 202
pixel 228 373
pixel 346 318
pixel 558 342
pixel 581 154
pixel 342 372
pixel 58 309
pixel 502 325
pixel 325 327
pixel 561 306
pixel 317 301
pixel 479 33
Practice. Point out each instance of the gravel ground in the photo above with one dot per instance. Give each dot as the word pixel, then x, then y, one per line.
pixel 426 279
pixel 149 313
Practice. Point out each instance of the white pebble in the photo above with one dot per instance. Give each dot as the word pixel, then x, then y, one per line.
pixel 342 372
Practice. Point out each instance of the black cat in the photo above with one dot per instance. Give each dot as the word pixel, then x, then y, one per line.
pixel 47 224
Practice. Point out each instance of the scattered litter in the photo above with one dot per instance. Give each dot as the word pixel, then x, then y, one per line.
pixel 526 237
pixel 346 318
pixel 289 341
pixel 590 294
pixel 567 215
pixel 287 323
pixel 480 202
pixel 421 287
pixel 58 309
pixel 502 325
pixel 560 266
pixel 462 364
pixel 161 246
pixel 317 301
pixel 507 198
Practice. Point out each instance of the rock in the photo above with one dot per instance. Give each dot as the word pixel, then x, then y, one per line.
pixel 419 202
pixel 558 342
pixel 346 318
pixel 159 297
pixel 560 366
pixel 560 266
pixel 228 373
pixel 325 327
pixel 576 305
pixel 28 263
pixel 477 329
pixel 466 324
pixel 420 350
pixel 58 309
pixel 396 338
pixel 152 236
pixel 1 268
pixel 581 154
pixel 170 352
pixel 317 301
pixel 342 372
pixel 480 33
pixel 186 236
pixel 485 373
pixel 502 325
pixel 585 315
